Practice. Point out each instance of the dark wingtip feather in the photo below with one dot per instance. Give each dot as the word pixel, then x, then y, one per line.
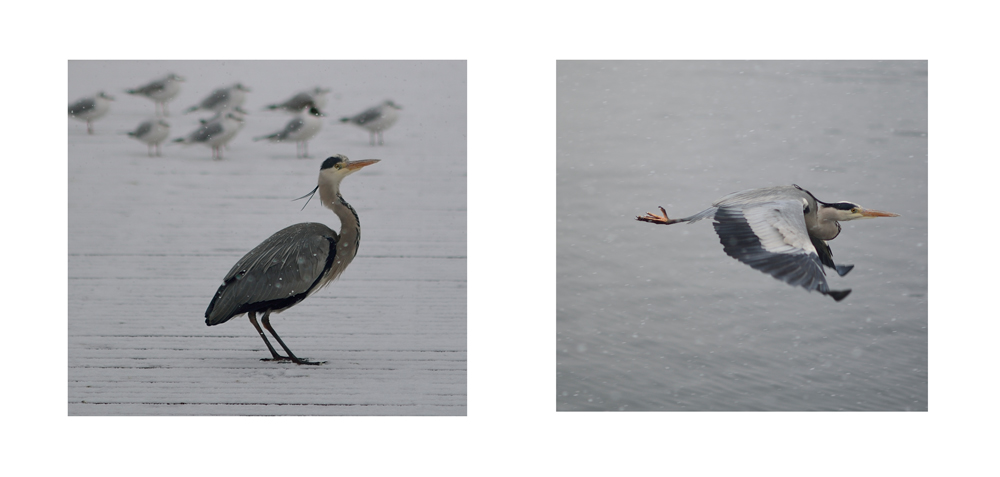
pixel 838 294
pixel 843 269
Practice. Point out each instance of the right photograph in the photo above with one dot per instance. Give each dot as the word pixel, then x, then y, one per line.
pixel 716 248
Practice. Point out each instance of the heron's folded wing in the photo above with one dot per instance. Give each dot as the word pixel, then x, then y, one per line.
pixel 772 237
pixel 276 274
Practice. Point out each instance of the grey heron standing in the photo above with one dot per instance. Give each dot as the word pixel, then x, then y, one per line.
pixel 294 263
pixel 375 119
pixel 781 231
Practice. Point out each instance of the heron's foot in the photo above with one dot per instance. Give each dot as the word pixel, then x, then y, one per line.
pixel 313 363
pixel 656 219
pixel 294 360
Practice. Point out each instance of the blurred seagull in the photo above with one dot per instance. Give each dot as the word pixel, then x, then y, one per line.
pixel 215 133
pixel 160 91
pixel 300 130
pixel 89 109
pixel 305 99
pixel 376 119
pixel 222 98
pixel 152 132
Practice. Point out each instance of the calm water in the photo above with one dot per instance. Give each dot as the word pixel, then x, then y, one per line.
pixel 659 318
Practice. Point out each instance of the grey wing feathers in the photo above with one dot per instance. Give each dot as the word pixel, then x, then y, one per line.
pixel 206 132
pixel 151 88
pixel 82 106
pixel 367 116
pixel 143 129
pixel 772 237
pixel 276 274
pixel 292 126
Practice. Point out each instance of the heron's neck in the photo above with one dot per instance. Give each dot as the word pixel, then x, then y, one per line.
pixel 350 225
pixel 825 227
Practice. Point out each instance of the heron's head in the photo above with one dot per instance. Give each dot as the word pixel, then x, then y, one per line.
pixel 842 211
pixel 339 166
pixel 334 169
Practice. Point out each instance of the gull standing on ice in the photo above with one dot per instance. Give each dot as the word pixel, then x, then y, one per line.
pixel 152 132
pixel 376 119
pixel 222 98
pixel 215 133
pixel 160 91
pixel 316 97
pixel 300 130
pixel 89 109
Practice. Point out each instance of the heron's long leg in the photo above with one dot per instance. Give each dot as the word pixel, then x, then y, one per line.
pixel 266 320
pixel 253 321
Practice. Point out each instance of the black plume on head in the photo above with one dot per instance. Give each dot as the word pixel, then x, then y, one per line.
pixel 332 161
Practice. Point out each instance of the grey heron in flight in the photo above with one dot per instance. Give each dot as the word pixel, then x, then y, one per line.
pixel 294 263
pixel 781 231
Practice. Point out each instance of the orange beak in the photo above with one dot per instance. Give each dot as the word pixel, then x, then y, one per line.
pixel 355 165
pixel 869 213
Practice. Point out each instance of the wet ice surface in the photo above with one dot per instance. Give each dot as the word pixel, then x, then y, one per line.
pixel 654 317
pixel 151 238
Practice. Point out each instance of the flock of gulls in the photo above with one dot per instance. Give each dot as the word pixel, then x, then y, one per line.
pixel 228 117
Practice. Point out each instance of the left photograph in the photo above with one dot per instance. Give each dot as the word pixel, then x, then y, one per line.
pixel 217 264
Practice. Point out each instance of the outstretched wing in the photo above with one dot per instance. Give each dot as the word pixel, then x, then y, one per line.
pixel 772 237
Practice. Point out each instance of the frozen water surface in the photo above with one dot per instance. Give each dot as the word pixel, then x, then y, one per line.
pixel 655 317
pixel 151 238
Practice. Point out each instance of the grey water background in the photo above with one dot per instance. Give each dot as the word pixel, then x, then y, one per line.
pixel 659 318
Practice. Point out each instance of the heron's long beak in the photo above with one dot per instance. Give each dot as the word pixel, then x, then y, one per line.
pixel 355 165
pixel 871 214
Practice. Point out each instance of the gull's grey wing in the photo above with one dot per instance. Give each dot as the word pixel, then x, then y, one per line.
pixel 772 237
pixel 276 274
pixel 298 102
pixel 367 116
pixel 206 132
pixel 83 106
pixel 216 99
pixel 151 88
pixel 143 129
pixel 292 126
